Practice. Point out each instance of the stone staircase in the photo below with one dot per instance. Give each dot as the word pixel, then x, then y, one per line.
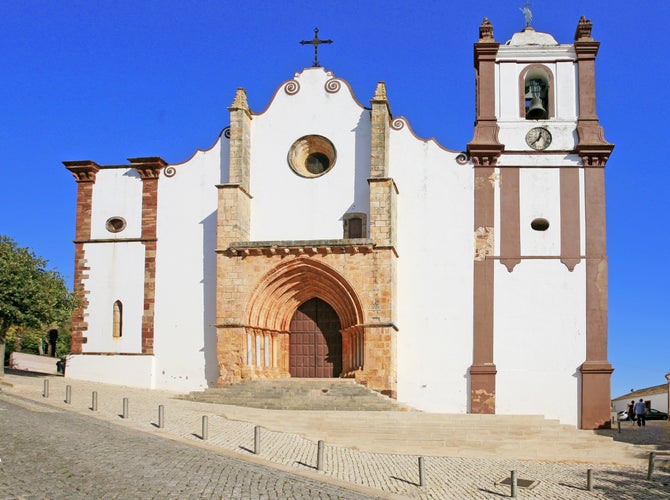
pixel 343 413
pixel 325 394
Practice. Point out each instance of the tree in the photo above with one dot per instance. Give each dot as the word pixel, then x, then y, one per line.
pixel 31 296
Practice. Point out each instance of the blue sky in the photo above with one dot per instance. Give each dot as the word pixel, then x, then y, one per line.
pixel 107 81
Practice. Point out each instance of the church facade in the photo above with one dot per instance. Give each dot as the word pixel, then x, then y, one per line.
pixel 322 238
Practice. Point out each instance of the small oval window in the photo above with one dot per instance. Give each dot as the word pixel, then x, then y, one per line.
pixel 540 224
pixel 115 224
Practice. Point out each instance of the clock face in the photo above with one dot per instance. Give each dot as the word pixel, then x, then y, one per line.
pixel 538 138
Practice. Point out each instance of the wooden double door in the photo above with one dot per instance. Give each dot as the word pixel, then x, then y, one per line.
pixel 315 346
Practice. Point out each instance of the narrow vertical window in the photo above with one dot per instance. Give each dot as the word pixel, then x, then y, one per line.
pixel 117 331
pixel 354 225
pixel 355 228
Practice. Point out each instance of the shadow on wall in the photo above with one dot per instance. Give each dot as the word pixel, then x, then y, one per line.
pixel 209 298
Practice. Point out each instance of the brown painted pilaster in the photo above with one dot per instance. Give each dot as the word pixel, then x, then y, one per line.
pixel 596 370
pixel 84 173
pixel 484 149
pixel 594 151
pixel 570 220
pixel 149 170
pixel 590 133
pixel 485 139
pixel 483 369
pixel 510 237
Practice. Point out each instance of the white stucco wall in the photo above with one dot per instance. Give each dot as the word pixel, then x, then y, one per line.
pixel 116 268
pixel 185 311
pixel 539 338
pixel 658 400
pixel 435 246
pixel 286 206
pixel 116 273
pixel 132 371
pixel 117 192
pixel 540 197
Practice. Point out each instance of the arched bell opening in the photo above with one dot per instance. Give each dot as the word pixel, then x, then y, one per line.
pixel 536 84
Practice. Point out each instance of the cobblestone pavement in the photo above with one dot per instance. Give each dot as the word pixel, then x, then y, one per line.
pixel 51 453
pixel 380 475
pixel 656 433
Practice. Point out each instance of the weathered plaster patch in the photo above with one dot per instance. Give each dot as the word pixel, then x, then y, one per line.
pixel 495 178
pixel 483 243
pixel 483 400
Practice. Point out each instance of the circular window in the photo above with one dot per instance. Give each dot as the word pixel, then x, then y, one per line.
pixel 115 224
pixel 312 156
pixel 540 224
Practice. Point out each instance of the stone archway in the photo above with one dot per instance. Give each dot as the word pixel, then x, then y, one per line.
pixel 259 296
pixel 276 300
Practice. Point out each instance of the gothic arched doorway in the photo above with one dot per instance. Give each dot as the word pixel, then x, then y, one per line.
pixel 315 341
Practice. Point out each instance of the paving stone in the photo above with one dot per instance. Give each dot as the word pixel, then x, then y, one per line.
pixel 387 475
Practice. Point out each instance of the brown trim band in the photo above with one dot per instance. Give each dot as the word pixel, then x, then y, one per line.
pixel 115 354
pixel 533 257
pixel 523 152
pixel 116 240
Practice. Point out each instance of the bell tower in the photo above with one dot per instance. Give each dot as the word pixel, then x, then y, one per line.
pixel 540 273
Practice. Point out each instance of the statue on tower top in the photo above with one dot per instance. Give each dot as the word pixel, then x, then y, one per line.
pixel 527 14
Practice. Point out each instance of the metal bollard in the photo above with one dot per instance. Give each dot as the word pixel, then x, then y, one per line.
pixel 319 455
pixel 45 393
pixel 589 479
pixel 422 468
pixel 68 394
pixel 161 416
pixel 125 408
pixel 205 430
pixel 94 401
pixel 618 424
pixel 257 440
pixel 513 484
pixel 650 470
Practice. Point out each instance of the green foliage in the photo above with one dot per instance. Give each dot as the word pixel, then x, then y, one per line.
pixel 31 296
pixel 35 341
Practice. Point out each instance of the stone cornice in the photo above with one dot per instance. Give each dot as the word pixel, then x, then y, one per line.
pixel 381 180
pixel 485 155
pixel 148 167
pixel 234 185
pixel 299 247
pixel 82 170
pixel 594 155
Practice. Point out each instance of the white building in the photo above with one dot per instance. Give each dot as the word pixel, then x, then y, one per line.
pixel 321 237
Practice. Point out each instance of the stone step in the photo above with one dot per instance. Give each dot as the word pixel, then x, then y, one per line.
pixel 300 394
pixel 357 417
pixel 417 433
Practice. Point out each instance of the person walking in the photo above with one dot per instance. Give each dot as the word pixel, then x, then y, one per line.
pixel 640 411
pixel 631 412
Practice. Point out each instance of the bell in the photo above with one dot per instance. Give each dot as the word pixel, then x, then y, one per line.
pixel 536 111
